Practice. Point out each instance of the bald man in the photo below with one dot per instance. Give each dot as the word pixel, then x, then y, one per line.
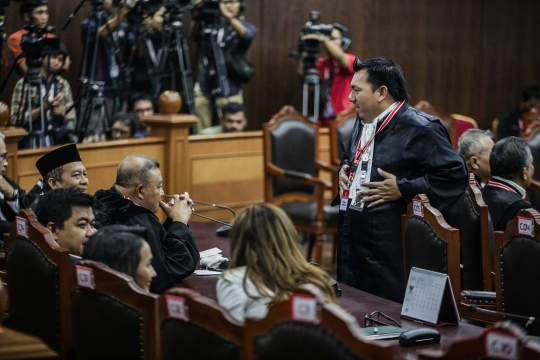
pixel 134 200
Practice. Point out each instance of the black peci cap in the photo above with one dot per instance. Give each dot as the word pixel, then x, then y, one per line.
pixel 56 158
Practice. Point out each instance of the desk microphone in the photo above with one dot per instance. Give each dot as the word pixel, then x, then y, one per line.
pixel 529 319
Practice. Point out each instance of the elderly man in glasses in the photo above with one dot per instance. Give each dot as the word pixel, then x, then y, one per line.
pixel 10 193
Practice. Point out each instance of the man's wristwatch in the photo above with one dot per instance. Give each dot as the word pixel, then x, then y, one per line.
pixel 15 195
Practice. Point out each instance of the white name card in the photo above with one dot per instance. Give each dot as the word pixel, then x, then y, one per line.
pixel 501 346
pixel 22 226
pixel 177 307
pixel 85 277
pixel 304 308
pixel 525 226
pixel 418 209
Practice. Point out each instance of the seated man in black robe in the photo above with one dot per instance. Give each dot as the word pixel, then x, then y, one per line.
pixel 61 168
pixel 10 193
pixel 68 215
pixel 474 145
pixel 133 200
pixel 512 171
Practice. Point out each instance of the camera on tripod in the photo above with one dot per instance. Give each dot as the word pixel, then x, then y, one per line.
pixel 34 44
pixel 312 47
pixel 208 12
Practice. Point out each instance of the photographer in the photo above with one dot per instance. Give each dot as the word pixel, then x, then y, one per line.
pixel 335 70
pixel 234 33
pixel 57 98
pixel 34 13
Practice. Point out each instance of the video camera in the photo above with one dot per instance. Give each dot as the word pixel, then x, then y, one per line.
pixel 34 45
pixel 208 12
pixel 311 46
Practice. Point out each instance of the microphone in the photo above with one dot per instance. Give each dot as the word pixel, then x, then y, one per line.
pixel 529 319
pixel 222 231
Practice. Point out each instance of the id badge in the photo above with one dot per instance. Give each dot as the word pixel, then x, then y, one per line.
pixel 115 71
pixel 344 200
pixel 357 203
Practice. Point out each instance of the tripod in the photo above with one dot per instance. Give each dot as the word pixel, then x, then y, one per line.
pixel 34 80
pixel 4 49
pixel 174 43
pixel 93 109
pixel 311 81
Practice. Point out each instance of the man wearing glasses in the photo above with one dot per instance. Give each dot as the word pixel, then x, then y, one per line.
pixel 234 34
pixel 141 105
pixel 9 193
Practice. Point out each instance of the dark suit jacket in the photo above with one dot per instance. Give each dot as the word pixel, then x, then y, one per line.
pixel 503 205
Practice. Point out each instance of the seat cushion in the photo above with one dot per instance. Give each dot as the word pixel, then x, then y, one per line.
pixel 305 212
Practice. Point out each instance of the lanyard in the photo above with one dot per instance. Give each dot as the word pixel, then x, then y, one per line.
pixel 502 186
pixel 361 150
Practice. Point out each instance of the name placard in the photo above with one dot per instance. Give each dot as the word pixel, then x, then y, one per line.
pixel 85 277
pixel 501 345
pixel 429 299
pixel 22 226
pixel 525 226
pixel 418 208
pixel 176 307
pixel 304 308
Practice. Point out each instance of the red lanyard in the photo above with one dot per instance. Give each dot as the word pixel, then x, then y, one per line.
pixel 502 186
pixel 361 150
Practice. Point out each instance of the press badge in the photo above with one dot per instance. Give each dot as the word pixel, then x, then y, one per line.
pixel 344 200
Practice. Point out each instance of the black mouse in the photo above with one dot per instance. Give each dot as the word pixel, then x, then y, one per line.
pixel 419 337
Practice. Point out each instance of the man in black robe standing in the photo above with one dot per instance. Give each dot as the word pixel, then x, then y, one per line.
pixel 395 153
pixel 133 200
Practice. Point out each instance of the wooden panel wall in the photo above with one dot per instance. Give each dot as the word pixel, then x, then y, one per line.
pixel 469 57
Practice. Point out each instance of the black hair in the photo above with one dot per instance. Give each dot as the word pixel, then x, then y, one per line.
pixel 128 120
pixel 56 205
pixel 135 98
pixel 232 108
pixel 345 39
pixel 383 71
pixel 26 7
pixel 509 156
pixel 530 92
pixel 118 247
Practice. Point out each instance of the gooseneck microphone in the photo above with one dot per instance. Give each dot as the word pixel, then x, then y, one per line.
pixel 529 319
pixel 222 231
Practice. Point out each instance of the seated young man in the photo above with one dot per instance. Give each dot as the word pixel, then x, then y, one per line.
pixel 68 215
pixel 512 171
pixel 57 105
pixel 233 120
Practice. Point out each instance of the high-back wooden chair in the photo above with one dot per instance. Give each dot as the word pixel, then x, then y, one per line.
pixel 475 241
pixel 113 318
pixel 291 181
pixel 195 327
pixel 517 252
pixel 430 243
pixel 481 347
pixel 340 131
pixel 40 281
pixel 334 335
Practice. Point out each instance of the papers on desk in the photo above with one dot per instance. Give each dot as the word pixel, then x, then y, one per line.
pixel 210 252
pixel 206 272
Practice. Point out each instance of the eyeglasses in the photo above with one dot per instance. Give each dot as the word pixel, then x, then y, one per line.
pixel 373 319
pixel 4 156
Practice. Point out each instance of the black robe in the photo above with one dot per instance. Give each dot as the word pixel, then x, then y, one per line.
pixel 415 147
pixel 503 205
pixel 8 212
pixel 175 254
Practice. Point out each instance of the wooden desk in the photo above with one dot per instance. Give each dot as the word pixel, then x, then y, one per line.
pixel 17 345
pixel 357 302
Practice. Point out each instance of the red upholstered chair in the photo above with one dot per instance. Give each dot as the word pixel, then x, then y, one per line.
pixel 335 335
pixel 206 330
pixel 463 123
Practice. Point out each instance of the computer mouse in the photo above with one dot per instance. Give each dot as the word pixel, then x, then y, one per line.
pixel 419 337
